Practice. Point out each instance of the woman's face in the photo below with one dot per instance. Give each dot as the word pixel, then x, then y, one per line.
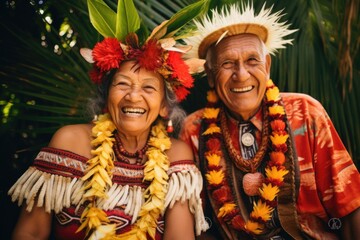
pixel 136 99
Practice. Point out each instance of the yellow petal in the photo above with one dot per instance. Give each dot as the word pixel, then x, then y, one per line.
pixel 268 191
pixel 226 209
pixel 276 174
pixel 273 94
pixel 261 210
pixel 215 177
pixel 213 128
pixel 212 96
pixel 254 227
pixel 211 113
pixel 213 159
pixel 273 110
pixel 277 139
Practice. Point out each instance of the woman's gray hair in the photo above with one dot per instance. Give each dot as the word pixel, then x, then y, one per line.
pixel 97 103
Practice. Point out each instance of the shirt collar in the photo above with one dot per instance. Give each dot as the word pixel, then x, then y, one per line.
pixel 256 120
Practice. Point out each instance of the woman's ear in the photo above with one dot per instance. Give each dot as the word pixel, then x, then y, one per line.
pixel 164 112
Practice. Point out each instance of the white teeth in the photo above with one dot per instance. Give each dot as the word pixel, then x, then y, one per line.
pixel 244 89
pixel 133 110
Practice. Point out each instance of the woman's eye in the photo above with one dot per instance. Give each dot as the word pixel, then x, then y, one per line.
pixel 122 84
pixel 149 88
pixel 228 64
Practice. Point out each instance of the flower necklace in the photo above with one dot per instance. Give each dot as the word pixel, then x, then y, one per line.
pixel 275 170
pixel 98 176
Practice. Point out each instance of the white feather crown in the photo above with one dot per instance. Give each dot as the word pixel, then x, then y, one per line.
pixel 235 20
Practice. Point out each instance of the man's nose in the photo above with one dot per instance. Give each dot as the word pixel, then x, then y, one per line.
pixel 240 72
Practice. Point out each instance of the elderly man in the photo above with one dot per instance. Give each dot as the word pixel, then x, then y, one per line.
pixel 274 166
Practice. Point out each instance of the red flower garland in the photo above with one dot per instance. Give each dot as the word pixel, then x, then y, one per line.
pixel 151 56
pixel 109 53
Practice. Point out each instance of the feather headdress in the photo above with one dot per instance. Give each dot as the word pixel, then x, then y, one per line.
pixel 234 20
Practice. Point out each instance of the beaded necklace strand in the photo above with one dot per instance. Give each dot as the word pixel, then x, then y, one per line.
pixel 123 155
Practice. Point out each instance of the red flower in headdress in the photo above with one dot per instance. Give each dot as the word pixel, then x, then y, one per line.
pixel 180 70
pixel 151 56
pixel 181 93
pixel 96 75
pixel 108 54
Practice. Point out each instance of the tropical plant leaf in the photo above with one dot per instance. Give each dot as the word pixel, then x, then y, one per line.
pixel 127 19
pixel 182 17
pixel 102 17
pixel 309 66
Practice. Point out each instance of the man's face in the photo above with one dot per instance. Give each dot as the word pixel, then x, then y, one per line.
pixel 240 69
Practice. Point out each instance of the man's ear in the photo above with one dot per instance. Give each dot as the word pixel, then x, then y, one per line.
pixel 268 64
pixel 210 76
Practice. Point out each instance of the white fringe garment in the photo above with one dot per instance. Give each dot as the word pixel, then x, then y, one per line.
pixel 55 192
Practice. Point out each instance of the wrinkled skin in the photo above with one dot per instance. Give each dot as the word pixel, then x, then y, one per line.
pixel 238 71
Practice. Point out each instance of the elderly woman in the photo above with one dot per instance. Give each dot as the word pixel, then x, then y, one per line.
pixel 121 176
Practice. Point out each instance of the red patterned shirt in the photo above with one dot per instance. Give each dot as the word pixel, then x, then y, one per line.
pixel 329 181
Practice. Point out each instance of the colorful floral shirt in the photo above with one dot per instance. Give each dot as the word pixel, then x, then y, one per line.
pixel 329 181
pixel 54 182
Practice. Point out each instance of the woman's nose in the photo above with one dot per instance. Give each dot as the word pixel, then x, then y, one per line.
pixel 134 94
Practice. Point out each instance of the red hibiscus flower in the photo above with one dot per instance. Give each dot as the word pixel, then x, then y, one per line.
pixel 180 70
pixel 96 75
pixel 151 57
pixel 108 54
pixel 181 92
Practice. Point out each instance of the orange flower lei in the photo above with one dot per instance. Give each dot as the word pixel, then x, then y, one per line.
pixel 275 170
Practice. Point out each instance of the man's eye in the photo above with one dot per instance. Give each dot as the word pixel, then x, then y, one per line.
pixel 228 64
pixel 253 61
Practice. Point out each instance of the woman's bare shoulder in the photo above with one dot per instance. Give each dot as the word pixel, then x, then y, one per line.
pixel 74 138
pixel 179 151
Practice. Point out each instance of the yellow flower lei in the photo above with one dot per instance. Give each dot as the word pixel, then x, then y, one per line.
pixel 98 176
pixel 274 171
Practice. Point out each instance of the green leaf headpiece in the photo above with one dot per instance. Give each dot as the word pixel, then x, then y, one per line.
pixel 125 40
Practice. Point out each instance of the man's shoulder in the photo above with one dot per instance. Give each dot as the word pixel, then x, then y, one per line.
pixel 191 126
pixel 194 117
pixel 292 97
